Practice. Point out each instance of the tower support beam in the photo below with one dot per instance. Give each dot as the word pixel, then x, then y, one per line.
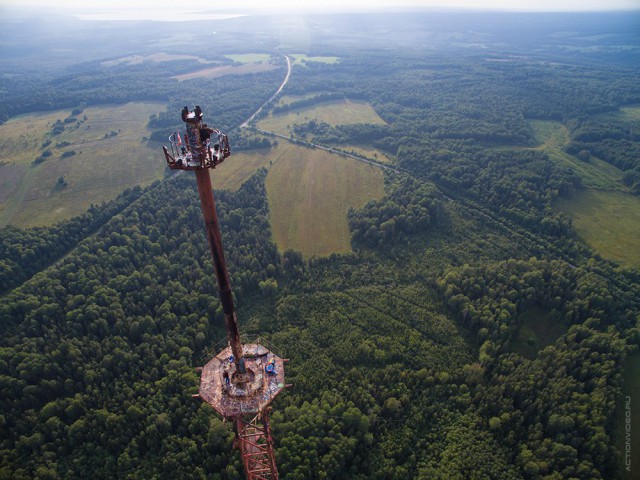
pixel 208 205
pixel 256 447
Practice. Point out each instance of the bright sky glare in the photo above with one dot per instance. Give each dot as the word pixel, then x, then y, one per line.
pixel 297 6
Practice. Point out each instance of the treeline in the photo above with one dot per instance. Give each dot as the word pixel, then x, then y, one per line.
pixel 227 101
pixel 360 133
pixel 23 253
pixel 244 140
pixel 98 352
pixel 536 407
pixel 611 139
pixel 307 102
pixel 404 361
pixel 463 127
pixel 411 207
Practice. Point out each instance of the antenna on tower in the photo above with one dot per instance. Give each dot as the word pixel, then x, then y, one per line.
pixel 241 381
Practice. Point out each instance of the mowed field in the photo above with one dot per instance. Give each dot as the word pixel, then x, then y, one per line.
pixel 340 112
pixel 310 192
pixel 630 113
pixel 301 59
pixel 369 152
pixel 553 137
pixel 604 215
pixel 220 71
pixel 251 63
pixel 111 154
pixel 609 221
pixel 240 167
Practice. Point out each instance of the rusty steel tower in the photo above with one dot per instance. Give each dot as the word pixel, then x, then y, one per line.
pixel 242 380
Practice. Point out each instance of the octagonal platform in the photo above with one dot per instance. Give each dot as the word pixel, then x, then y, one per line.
pixel 232 394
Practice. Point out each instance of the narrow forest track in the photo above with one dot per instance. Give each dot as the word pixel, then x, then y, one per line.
pixel 534 241
pixel 245 124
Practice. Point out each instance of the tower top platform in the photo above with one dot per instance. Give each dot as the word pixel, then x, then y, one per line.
pixel 198 146
pixel 233 394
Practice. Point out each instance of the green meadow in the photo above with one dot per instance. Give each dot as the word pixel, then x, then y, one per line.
pixel 340 112
pixel 250 57
pixel 239 167
pixel 553 137
pixel 310 192
pixel 608 221
pixel 536 329
pixel 301 59
pixel 604 215
pixel 288 99
pixel 630 113
pixel 368 152
pixel 98 154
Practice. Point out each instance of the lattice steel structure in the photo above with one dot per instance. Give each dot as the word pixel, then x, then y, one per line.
pixel 242 380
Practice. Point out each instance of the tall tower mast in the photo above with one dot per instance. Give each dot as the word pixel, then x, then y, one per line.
pixel 242 380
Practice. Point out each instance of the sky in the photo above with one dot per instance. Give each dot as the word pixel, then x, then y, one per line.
pixel 533 5
pixel 156 8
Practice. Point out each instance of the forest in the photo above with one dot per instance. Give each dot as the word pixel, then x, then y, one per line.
pixel 408 357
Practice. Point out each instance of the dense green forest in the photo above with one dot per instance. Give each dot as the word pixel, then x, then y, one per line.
pixel 409 355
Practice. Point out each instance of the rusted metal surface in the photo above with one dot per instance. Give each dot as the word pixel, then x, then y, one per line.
pixel 256 447
pixel 219 265
pixel 242 380
pixel 189 149
pixel 242 395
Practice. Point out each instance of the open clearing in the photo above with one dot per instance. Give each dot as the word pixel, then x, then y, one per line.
pixel 301 59
pixel 111 154
pixel 310 192
pixel 608 221
pixel 288 99
pixel 239 167
pixel 536 329
pixel 220 71
pixel 340 112
pixel 630 113
pixel 553 137
pixel 367 151
pixel 154 57
pixel 250 57
pixel 604 215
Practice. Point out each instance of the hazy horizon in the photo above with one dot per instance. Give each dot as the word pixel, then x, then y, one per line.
pixel 164 10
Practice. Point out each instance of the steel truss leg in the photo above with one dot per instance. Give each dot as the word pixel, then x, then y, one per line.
pixel 256 447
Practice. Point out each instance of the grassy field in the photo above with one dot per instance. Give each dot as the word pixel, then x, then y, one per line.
pixel 287 99
pixel 630 113
pixel 251 63
pixel 310 192
pixel 220 71
pixel 369 152
pixel 553 137
pixel 301 59
pixel 111 154
pixel 604 215
pixel 341 112
pixel 608 221
pixel 239 167
pixel 250 57
pixel 154 57
pixel 537 329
